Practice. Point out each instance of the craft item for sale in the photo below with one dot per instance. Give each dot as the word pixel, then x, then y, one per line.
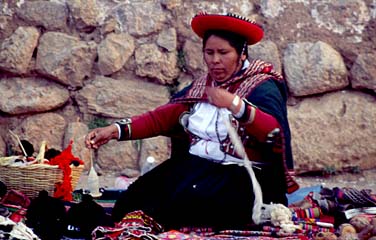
pixel 93 180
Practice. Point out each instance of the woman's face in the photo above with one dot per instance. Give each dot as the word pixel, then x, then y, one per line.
pixel 221 58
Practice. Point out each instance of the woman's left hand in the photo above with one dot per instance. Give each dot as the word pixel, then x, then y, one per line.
pixel 219 97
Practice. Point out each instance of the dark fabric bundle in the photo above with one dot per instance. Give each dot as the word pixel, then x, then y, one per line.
pixel 46 216
pixel 84 217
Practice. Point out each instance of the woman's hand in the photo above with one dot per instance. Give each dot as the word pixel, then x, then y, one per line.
pixel 100 136
pixel 219 97
pixel 222 99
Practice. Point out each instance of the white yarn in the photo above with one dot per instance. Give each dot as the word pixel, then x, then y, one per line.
pixel 93 180
pixel 281 216
pixel 277 214
pixel 239 148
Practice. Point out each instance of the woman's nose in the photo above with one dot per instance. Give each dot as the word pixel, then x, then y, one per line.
pixel 216 57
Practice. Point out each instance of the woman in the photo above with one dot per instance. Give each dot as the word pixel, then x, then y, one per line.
pixel 204 183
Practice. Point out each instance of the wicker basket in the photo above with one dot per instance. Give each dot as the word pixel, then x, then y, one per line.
pixel 33 178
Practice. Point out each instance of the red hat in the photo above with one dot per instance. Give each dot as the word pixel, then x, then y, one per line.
pixel 203 22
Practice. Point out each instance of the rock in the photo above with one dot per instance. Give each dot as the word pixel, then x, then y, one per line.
pixel 24 95
pixel 114 51
pixel 312 68
pixel 65 59
pixel 17 50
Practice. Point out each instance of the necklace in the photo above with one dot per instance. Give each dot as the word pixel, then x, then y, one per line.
pixel 218 137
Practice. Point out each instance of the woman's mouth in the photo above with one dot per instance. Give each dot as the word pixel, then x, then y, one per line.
pixel 217 70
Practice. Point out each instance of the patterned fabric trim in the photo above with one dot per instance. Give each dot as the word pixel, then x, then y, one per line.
pixel 256 73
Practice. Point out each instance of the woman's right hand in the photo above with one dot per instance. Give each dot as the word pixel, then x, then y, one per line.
pixel 100 136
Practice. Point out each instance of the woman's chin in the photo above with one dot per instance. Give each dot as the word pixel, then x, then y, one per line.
pixel 219 78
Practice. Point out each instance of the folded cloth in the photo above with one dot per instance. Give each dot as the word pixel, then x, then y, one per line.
pixel 358 211
pixel 12 230
pixel 134 225
pixel 359 198
pixel 15 198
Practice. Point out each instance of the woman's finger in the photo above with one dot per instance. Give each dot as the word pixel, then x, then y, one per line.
pixel 90 139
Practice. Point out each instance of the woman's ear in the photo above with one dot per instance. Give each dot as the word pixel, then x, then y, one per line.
pixel 243 57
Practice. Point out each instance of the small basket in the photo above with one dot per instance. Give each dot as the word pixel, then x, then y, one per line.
pixel 33 178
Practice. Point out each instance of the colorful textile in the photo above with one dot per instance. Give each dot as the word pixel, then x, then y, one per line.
pixel 314 212
pixel 257 73
pixel 358 198
pixel 15 203
pixel 138 225
pixel 234 235
pixel 135 225
pixel 15 198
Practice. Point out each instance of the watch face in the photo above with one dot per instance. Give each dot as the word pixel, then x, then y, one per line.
pixel 125 121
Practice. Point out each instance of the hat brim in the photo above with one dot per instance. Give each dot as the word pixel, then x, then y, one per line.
pixel 251 31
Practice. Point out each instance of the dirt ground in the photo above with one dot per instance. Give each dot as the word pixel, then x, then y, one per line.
pixel 366 179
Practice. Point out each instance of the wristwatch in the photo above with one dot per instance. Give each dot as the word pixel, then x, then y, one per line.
pixel 125 128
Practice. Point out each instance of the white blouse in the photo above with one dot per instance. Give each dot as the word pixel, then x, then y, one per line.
pixel 206 122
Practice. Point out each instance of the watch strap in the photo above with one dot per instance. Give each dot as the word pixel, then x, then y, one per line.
pixel 125 129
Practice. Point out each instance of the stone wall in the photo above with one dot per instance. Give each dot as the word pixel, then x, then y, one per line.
pixel 67 65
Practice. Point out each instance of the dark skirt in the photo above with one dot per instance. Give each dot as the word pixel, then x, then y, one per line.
pixel 195 192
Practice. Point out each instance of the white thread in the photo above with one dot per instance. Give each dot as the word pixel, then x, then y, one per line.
pixel 235 139
pixel 277 214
